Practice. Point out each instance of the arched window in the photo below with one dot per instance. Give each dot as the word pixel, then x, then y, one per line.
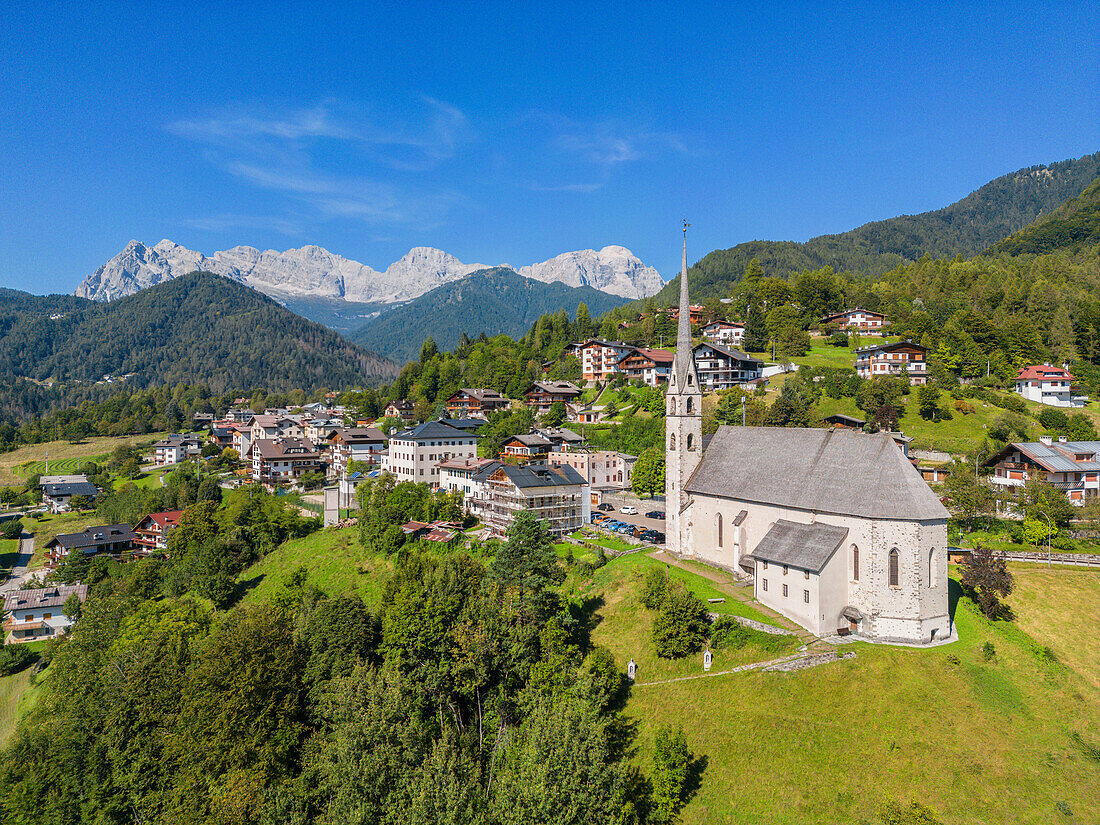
pixel 719 527
pixel 855 563
pixel 932 567
pixel 690 380
pixel 672 406
pixel 672 441
pixel 691 441
pixel 895 559
pixel 690 405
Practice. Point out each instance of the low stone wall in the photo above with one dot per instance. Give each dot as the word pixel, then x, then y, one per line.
pixel 813 660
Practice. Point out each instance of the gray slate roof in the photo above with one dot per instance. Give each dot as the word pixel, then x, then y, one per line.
pixel 535 475
pixel 431 430
pixel 78 488
pixel 829 471
pixel 1054 458
pixel 805 546
pixel 55 596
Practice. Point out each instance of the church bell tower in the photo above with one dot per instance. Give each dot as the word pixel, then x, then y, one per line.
pixel 683 425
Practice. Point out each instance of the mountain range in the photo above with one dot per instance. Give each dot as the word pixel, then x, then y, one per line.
pixel 315 274
pixel 493 301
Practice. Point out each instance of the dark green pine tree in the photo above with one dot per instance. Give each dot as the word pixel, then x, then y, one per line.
pixel 756 330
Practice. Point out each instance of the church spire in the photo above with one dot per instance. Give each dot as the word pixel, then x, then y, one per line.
pixel 685 362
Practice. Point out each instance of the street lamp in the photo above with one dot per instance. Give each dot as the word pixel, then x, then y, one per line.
pixel 1050 529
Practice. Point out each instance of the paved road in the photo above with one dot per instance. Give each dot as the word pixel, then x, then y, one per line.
pixel 20 572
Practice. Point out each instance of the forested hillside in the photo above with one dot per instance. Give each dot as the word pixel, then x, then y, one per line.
pixel 196 329
pixel 492 302
pixel 1072 227
pixel 981 219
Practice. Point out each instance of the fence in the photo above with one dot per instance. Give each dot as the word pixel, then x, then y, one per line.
pixel 1066 559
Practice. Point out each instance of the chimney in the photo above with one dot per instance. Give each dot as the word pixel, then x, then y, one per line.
pixel 1046 439
pixel 1062 439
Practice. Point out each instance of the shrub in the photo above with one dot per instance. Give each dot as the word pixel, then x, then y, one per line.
pixel 12 529
pixel 727 632
pixel 655 589
pixel 13 658
pixel 605 678
pixel 681 626
pixel 989 652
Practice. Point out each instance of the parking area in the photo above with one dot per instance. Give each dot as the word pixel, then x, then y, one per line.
pixel 640 520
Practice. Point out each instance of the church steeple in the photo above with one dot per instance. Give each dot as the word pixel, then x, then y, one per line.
pixel 684 364
pixel 683 425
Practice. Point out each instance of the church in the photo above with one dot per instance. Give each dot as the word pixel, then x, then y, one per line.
pixel 835 528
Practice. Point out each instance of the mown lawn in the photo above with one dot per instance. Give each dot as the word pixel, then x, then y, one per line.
pixel 335 562
pixel 65 458
pixel 13 690
pixel 976 741
pixel 1060 607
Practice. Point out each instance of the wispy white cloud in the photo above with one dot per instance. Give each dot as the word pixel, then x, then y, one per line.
pixel 224 221
pixel 337 161
pixel 566 187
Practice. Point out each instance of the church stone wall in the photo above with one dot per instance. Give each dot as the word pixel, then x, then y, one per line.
pixel 909 612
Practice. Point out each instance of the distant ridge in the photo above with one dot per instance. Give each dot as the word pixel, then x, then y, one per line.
pixel 198 328
pixel 994 211
pixel 493 301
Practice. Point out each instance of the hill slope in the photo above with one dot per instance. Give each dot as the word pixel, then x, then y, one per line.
pixel 966 227
pixel 198 328
pixel 493 301
pixel 1072 227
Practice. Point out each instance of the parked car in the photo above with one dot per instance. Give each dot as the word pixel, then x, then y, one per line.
pixel 659 538
pixel 656 514
pixel 626 509
pixel 638 531
pixel 607 508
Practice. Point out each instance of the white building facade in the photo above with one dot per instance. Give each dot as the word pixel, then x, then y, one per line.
pixel 415 454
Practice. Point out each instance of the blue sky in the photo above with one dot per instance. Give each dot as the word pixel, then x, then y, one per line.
pixel 513 132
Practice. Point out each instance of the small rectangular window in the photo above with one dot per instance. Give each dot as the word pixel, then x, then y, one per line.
pixel 805 574
pixel 806 596
pixel 764 582
pixel 784 570
pixel 765 565
pixel 784 591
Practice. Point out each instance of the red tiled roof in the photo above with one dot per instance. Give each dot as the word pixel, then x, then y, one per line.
pixel 169 518
pixel 1042 371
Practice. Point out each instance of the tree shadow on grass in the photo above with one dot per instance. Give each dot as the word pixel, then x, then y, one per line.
pixel 242 587
pixel 586 618
pixel 697 766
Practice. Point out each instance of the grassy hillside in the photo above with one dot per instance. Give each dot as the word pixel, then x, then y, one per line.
pixel 65 458
pixel 976 741
pixel 492 302
pixel 997 209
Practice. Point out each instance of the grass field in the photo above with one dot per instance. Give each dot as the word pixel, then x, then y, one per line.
pixel 65 458
pixel 975 741
pixel 1060 608
pixel 13 692
pixel 334 559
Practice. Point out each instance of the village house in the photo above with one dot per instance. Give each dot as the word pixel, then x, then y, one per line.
pixel 722 368
pixel 727 333
pixel 467 425
pixel 696 313
pixel 599 358
pixel 319 430
pixel 835 528
pixel 651 366
pixel 902 358
pixel 847 422
pixel 364 444
pixel 456 475
pixel 473 402
pixel 221 434
pixel 241 415
pixel 860 320
pixel 415 454
pixel 1069 466
pixel 115 540
pixel 172 449
pixel 151 533
pixel 602 469
pixel 402 410
pixel 561 438
pixel 270 426
pixel 542 395
pixel 58 491
pixel 1048 385
pixel 283 460
pixel 527 447
pixel 556 495
pixel 39 614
